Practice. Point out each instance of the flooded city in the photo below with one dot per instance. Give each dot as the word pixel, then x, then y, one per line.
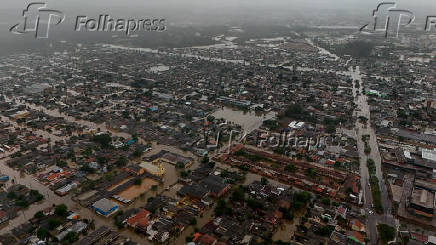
pixel 217 123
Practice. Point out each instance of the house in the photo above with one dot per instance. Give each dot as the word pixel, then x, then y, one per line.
pixel 65 189
pixel 105 207
pixel 341 211
pixel 118 144
pixel 4 178
pixel 101 233
pixel 356 237
pixel 23 231
pixel 356 225
pixel 422 203
pixel 206 240
pixel 76 227
pixel 432 240
pixel 274 217
pixel 3 216
pixel 193 191
pixel 173 159
pixel 73 216
pixel 215 185
pixel 337 238
pixel 134 169
pixel 153 168
pixel 139 221
pixel 159 230
pixel 34 240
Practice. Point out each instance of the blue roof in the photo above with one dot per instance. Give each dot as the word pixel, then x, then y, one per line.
pixel 4 177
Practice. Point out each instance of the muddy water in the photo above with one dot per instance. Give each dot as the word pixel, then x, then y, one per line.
pixel 55 113
pixel 135 191
pixel 37 132
pixel 53 199
pixel 288 228
pixel 31 182
pixel 201 221
pixel 249 120
pixel 322 50
pixel 362 129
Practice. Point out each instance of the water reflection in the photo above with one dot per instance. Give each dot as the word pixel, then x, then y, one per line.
pixel 249 120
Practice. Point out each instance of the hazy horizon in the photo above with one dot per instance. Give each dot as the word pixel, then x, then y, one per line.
pixel 194 13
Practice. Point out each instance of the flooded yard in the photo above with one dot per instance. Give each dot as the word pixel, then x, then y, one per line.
pixel 288 228
pixel 249 120
pixel 135 191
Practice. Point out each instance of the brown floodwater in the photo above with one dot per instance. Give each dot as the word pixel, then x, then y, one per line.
pixel 135 191
pixel 249 120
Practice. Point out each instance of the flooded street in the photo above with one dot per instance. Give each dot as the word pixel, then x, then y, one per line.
pixel 91 125
pixel 366 129
pixel 170 178
pixel 52 199
pixel 31 182
pixel 249 121
pixel 154 51
pixel 322 50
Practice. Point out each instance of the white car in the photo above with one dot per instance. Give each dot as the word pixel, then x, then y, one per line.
pixel 370 212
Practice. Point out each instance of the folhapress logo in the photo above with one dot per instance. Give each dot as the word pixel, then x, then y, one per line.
pixel 108 24
pixel 38 19
pixel 384 20
pixel 389 19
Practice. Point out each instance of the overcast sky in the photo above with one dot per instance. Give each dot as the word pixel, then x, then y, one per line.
pixel 211 12
pixel 211 4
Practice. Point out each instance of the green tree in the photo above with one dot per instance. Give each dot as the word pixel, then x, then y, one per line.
pixel 53 223
pixel 264 181
pixel 61 210
pixel 42 233
pixel 290 168
pixel 180 165
pixel 70 238
pixel 386 233
pixel 137 181
pixel 121 162
pixel 38 215
pixel 238 194
pixel 103 139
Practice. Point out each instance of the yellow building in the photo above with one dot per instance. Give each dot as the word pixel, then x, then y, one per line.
pixel 20 114
pixel 154 168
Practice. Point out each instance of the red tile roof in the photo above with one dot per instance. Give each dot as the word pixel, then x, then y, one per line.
pixel 140 219
pixel 207 240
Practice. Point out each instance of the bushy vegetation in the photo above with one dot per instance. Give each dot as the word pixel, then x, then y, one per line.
pixel 103 139
pixel 386 233
pixel 251 157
